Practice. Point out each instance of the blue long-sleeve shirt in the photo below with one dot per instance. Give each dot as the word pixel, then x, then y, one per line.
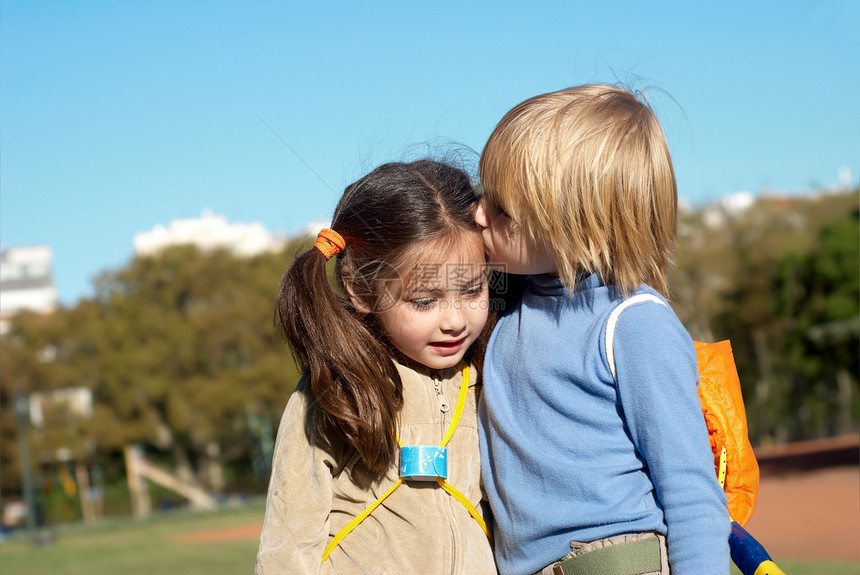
pixel 569 455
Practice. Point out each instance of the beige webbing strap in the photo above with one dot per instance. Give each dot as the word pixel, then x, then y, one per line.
pixel 630 558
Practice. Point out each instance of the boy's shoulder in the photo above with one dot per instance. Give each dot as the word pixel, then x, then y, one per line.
pixel 647 321
pixel 643 303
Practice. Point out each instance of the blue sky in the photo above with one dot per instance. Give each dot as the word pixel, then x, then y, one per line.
pixel 118 116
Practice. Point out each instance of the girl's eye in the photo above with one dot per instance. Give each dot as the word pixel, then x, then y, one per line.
pixel 475 290
pixel 423 303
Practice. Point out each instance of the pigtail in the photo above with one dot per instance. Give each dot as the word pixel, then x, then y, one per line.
pixel 353 379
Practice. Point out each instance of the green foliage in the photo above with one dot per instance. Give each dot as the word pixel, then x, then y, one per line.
pixel 780 280
pixel 178 350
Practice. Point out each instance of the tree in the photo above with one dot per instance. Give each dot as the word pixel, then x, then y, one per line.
pixel 181 353
pixel 818 297
pixel 757 277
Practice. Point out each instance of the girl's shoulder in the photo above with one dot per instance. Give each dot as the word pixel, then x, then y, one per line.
pixel 305 420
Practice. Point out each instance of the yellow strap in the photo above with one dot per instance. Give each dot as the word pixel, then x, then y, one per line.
pixel 458 410
pixel 452 427
pixel 465 502
pixel 358 519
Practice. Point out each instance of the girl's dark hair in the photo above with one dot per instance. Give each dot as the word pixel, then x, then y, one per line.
pixel 381 216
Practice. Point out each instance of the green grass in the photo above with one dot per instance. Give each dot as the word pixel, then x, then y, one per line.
pixel 145 548
pixel 138 547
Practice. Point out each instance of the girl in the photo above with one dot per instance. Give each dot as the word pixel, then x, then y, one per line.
pixel 595 452
pixel 387 363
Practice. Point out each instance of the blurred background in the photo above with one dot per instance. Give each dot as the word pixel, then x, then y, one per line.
pixel 162 162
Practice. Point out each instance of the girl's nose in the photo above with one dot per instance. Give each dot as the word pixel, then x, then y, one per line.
pixel 453 319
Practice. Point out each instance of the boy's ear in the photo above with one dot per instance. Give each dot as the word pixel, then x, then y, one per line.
pixel 358 299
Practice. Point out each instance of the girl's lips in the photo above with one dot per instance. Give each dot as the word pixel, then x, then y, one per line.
pixel 448 347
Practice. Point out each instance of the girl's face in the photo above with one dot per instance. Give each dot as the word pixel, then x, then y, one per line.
pixel 508 249
pixel 439 307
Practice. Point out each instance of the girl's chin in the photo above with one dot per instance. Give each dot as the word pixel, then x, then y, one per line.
pixel 429 365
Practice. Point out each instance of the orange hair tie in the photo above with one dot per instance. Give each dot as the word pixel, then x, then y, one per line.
pixel 330 243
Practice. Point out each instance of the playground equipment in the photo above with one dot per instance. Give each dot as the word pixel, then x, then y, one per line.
pixel 138 470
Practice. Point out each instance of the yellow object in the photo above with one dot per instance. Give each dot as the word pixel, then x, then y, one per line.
pixel 465 503
pixel 358 519
pixel 721 469
pixel 450 489
pixel 768 568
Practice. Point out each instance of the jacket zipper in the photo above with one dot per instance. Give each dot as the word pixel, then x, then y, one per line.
pixel 444 407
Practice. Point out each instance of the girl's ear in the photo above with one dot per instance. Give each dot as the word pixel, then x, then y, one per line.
pixel 356 295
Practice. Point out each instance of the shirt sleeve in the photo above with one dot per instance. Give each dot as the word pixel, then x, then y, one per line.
pixel 296 525
pixel 657 376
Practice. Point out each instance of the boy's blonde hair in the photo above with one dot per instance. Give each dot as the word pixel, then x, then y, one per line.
pixel 587 171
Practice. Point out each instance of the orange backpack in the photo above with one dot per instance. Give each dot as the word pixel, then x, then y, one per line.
pixel 723 408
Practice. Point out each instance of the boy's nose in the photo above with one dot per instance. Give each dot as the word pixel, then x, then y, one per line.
pixel 481 214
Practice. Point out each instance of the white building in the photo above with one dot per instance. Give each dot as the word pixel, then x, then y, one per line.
pixel 208 232
pixel 730 205
pixel 26 282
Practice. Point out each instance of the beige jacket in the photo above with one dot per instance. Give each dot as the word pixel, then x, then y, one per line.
pixel 319 484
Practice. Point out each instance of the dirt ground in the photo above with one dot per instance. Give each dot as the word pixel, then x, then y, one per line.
pixel 809 501
pixel 808 505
